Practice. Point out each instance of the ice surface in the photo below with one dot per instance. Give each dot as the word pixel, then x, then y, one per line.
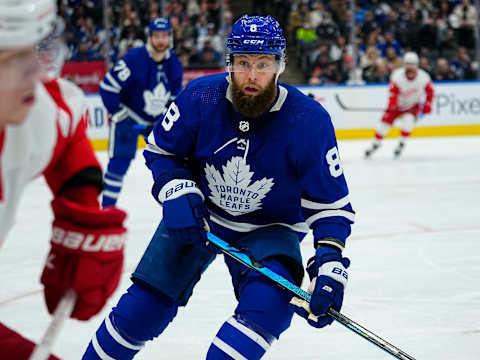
pixel 414 279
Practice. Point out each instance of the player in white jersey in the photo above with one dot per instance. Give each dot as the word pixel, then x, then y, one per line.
pixel 411 96
pixel 43 131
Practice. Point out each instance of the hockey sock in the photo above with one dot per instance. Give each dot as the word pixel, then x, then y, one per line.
pixel 113 186
pixel 139 316
pixel 261 316
pixel 239 339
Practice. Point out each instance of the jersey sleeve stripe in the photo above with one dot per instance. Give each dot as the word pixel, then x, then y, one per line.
pixel 152 147
pixel 155 149
pixel 108 87
pixel 137 118
pixel 322 206
pixel 113 82
pixel 330 213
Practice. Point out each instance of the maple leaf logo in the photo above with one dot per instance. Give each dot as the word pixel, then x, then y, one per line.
pixel 156 100
pixel 232 191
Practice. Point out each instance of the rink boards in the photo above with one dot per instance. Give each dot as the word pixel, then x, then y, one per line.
pixel 356 111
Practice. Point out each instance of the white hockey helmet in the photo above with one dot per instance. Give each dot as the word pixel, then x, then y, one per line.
pixel 410 58
pixel 25 22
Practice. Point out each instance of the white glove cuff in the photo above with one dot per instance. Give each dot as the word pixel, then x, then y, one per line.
pixel 178 187
pixel 334 270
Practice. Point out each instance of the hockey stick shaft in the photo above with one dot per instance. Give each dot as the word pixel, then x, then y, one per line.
pixel 63 311
pixel 238 255
pixel 349 108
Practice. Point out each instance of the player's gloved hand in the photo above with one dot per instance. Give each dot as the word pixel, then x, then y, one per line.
pixel 184 211
pixel 427 108
pixel 86 255
pixel 392 109
pixel 328 275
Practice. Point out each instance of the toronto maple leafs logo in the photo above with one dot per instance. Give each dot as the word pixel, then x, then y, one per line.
pixel 156 100
pixel 232 191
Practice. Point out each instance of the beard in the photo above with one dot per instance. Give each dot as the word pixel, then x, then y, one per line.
pixel 159 48
pixel 252 106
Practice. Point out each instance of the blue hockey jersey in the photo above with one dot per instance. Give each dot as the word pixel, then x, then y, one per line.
pixel 282 168
pixel 141 85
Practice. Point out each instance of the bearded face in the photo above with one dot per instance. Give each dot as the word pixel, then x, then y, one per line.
pixel 160 40
pixel 252 98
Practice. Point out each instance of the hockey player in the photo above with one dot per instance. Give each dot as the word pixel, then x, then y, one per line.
pixel 136 92
pixel 411 96
pixel 256 162
pixel 43 131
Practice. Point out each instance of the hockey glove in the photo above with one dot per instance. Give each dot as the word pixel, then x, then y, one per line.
pixel 184 212
pixel 328 275
pixel 86 255
pixel 427 108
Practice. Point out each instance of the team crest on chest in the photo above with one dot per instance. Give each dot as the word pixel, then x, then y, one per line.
pixel 156 100
pixel 233 191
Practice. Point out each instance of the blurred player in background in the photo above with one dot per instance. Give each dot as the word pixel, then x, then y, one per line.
pixel 411 96
pixel 239 153
pixel 43 131
pixel 137 92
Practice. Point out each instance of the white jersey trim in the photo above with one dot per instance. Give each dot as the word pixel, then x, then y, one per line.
pixel 323 206
pixel 137 118
pixel 247 227
pixel 113 82
pixel 152 147
pixel 330 213
pixel 109 88
pixel 281 99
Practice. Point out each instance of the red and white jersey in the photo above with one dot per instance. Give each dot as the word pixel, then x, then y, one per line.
pixel 406 93
pixel 52 140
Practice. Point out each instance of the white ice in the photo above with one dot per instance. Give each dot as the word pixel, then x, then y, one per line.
pixel 414 278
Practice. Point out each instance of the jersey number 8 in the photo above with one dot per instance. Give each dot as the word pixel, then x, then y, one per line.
pixel 333 160
pixel 172 115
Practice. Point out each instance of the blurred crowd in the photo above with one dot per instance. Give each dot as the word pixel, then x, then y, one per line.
pixel 442 32
pixel 197 28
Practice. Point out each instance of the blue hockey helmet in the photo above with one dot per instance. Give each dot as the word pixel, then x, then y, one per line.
pixel 256 35
pixel 159 24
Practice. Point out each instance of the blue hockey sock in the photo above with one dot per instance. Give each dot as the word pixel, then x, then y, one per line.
pixel 113 186
pixel 108 343
pixel 139 316
pixel 239 339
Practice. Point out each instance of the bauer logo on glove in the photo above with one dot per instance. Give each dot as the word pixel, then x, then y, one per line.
pixel 87 242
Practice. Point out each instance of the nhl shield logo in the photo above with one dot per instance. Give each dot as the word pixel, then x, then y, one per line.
pixel 244 126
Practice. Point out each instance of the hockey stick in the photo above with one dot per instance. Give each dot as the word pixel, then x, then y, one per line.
pixel 287 285
pixel 349 108
pixel 63 311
